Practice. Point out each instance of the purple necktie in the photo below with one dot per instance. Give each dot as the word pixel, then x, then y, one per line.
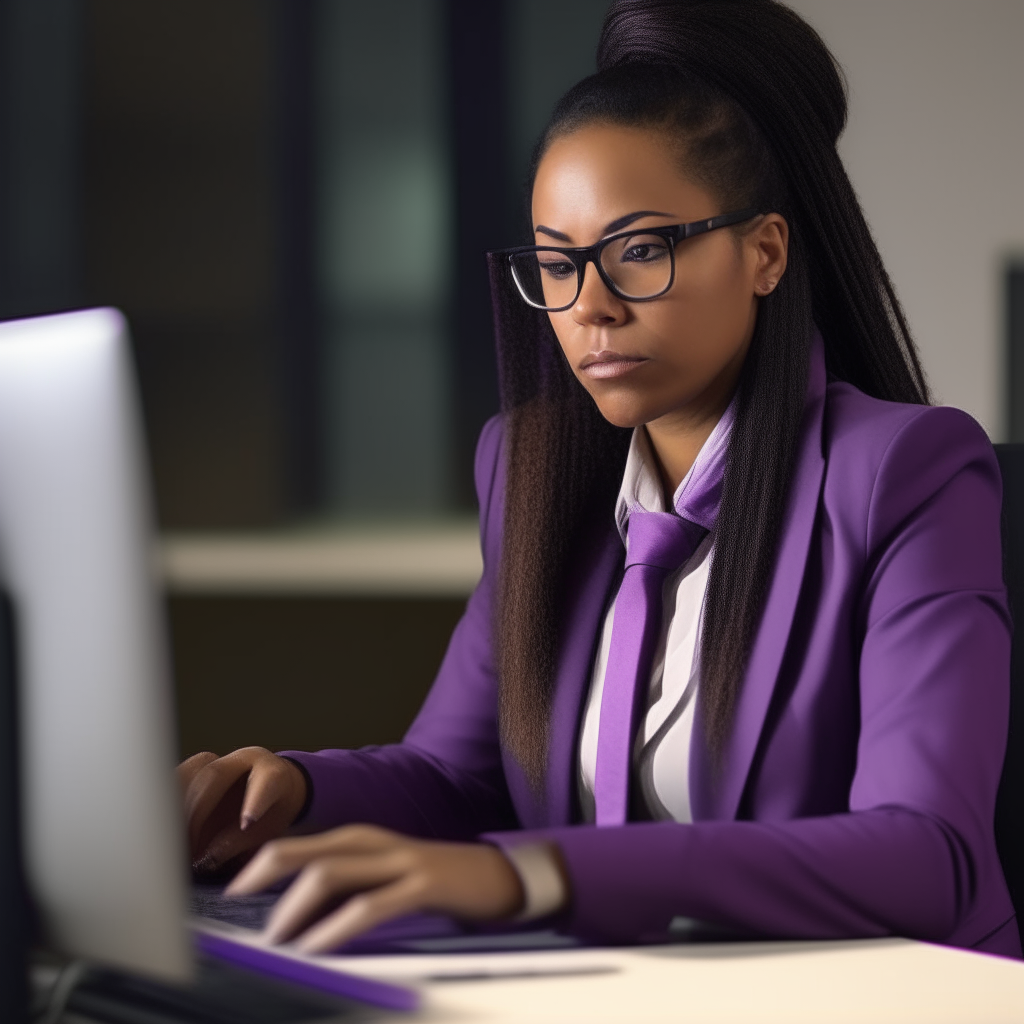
pixel 658 543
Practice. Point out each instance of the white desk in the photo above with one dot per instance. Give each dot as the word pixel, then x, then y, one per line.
pixel 884 981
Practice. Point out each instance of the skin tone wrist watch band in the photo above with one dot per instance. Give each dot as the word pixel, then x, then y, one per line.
pixel 543 886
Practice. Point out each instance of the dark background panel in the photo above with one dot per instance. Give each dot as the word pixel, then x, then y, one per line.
pixel 189 210
pixel 163 157
pixel 303 673
pixel 41 57
pixel 486 216
pixel 1013 280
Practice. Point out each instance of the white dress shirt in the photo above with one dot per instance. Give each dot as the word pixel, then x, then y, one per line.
pixel 661 753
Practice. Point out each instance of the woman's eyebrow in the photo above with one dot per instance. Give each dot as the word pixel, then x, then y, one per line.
pixel 614 226
pixel 623 222
pixel 540 229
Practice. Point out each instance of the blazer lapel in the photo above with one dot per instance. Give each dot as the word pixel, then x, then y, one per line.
pixel 717 795
pixel 589 589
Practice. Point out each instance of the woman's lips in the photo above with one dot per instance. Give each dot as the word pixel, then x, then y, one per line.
pixel 610 364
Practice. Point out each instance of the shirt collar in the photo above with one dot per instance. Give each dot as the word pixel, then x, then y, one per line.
pixel 698 495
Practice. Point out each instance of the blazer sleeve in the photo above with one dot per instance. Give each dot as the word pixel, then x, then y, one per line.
pixel 445 779
pixel 915 847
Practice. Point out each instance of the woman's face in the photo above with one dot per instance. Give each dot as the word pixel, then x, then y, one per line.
pixel 676 357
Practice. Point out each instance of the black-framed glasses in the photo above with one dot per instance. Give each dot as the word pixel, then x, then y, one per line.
pixel 635 265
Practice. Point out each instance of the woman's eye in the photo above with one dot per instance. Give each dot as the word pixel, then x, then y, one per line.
pixel 644 252
pixel 559 269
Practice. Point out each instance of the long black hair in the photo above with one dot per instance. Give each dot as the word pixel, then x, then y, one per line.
pixel 755 103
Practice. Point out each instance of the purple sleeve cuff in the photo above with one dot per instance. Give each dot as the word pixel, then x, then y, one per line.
pixel 304 810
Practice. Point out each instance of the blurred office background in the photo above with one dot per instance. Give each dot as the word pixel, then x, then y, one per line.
pixel 290 199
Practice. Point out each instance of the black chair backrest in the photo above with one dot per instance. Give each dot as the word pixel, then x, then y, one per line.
pixel 1010 803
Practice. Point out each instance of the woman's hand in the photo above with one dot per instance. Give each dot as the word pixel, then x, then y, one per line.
pixel 379 875
pixel 236 803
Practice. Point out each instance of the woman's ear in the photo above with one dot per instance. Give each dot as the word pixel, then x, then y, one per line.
pixel 769 242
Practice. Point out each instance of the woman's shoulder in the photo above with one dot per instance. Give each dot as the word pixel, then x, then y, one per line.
pixel 856 420
pixel 896 456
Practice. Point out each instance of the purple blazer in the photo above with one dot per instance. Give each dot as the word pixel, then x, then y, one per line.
pixel 857 792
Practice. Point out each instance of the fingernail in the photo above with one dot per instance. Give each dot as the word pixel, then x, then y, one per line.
pixel 247 821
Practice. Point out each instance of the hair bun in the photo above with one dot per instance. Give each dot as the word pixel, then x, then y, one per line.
pixel 760 52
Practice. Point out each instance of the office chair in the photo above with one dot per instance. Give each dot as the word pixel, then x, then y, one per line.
pixel 1010 802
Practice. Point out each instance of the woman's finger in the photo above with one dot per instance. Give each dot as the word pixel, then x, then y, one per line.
pixel 275 860
pixel 214 782
pixel 191 766
pixel 407 895
pixel 367 838
pixel 206 791
pixel 270 782
pixel 284 857
pixel 351 839
pixel 321 884
pixel 230 842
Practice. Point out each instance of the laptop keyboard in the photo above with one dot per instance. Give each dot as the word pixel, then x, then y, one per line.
pixel 243 911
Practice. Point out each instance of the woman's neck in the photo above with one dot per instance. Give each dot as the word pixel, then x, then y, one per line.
pixel 676 441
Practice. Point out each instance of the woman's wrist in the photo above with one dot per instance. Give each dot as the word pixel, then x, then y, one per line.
pixel 302 788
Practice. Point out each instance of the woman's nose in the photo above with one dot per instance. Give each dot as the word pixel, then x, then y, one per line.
pixel 596 304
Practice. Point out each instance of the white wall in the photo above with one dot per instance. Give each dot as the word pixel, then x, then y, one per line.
pixel 935 148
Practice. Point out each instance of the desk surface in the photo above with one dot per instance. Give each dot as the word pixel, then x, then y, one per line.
pixel 876 981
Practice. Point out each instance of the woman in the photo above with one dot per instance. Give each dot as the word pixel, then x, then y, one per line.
pixel 785 710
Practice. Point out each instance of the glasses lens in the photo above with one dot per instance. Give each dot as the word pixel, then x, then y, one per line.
pixel 639 265
pixel 545 277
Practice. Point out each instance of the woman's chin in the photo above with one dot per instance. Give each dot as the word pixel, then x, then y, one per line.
pixel 623 416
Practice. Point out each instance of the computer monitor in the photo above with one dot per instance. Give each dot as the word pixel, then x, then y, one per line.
pixel 103 842
pixel 82 647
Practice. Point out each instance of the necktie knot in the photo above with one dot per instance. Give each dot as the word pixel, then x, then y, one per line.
pixel 661 540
